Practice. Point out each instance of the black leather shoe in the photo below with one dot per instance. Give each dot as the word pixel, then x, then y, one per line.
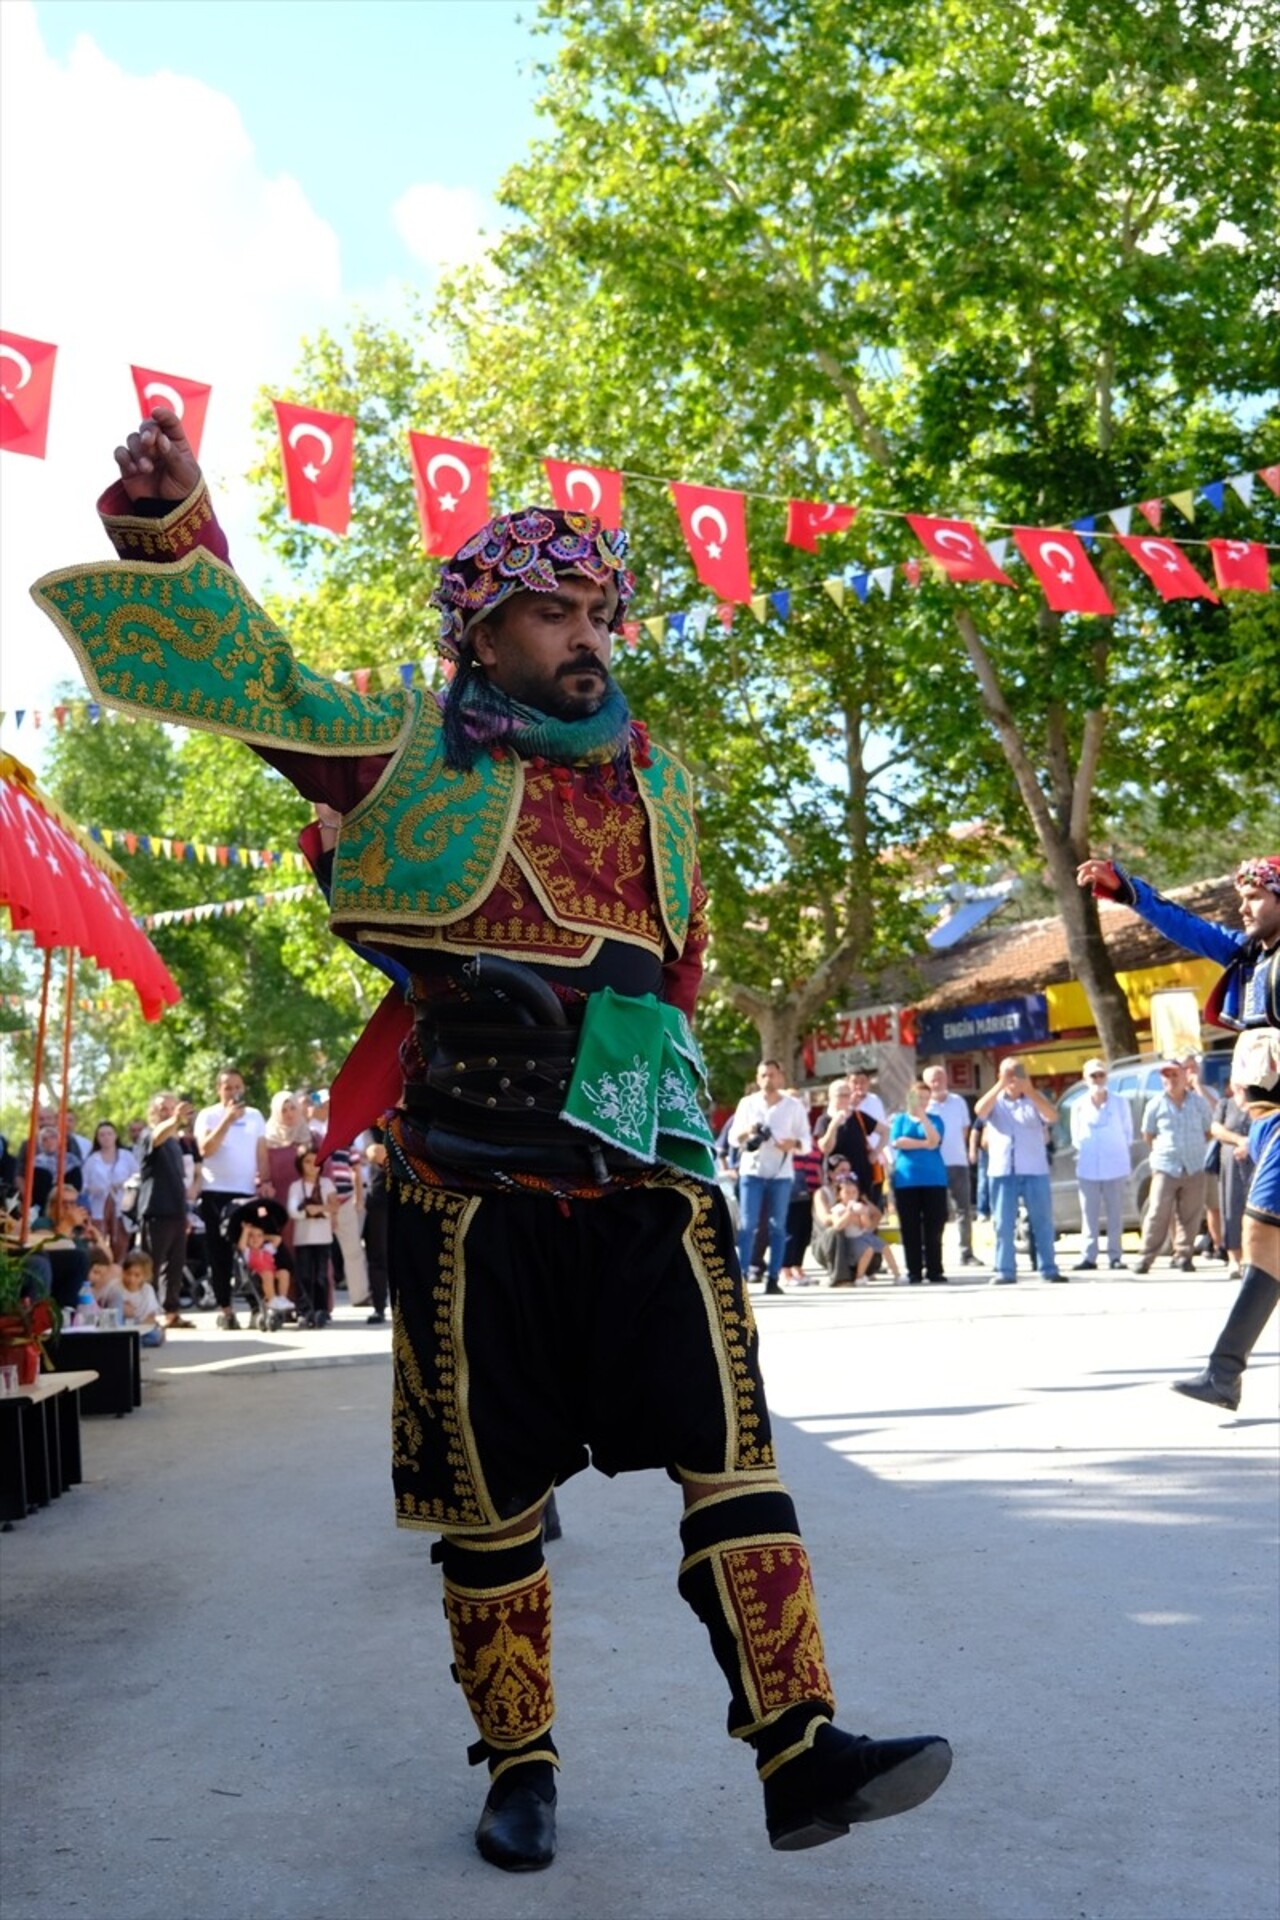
pixel 845 1779
pixel 1217 1389
pixel 520 1835
pixel 1085 1266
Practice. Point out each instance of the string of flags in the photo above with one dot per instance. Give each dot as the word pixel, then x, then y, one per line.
pixel 219 909
pixel 451 487
pixel 202 853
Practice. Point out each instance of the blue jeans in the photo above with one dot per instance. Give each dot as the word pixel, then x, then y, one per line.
pixel 772 1197
pixel 1007 1189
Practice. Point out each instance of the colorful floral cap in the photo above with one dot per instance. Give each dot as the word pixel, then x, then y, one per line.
pixel 528 552
pixel 1260 873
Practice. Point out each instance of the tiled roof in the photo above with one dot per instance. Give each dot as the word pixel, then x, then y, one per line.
pixel 1033 955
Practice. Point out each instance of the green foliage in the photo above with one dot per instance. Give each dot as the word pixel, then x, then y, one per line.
pixel 266 986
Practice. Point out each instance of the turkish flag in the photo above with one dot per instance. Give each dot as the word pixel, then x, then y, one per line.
pixel 1241 564
pixel 318 451
pixel 451 481
pixel 957 548
pixel 26 390
pixel 808 520
pixel 1061 565
pixel 189 399
pixel 1167 567
pixel 714 520
pixel 579 489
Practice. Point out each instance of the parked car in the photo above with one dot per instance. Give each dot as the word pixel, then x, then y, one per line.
pixel 1135 1079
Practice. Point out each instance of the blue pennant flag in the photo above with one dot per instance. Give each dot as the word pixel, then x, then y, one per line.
pixel 861 584
pixel 782 602
pixel 19 715
pixel 1215 493
pixel 233 856
pixel 677 623
pixel 144 841
pixel 94 711
pixel 189 852
pixel 1085 529
pixel 95 833
pixel 406 674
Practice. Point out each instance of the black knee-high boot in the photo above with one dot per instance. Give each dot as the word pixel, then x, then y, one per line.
pixel 1254 1305
pixel 746 1575
pixel 497 1600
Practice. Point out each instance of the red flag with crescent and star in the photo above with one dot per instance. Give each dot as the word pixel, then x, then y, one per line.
pixel 1240 564
pixel 579 489
pixel 451 482
pixel 714 520
pixel 809 520
pixel 1167 568
pixel 957 548
pixel 26 393
pixel 318 451
pixel 189 399
pixel 1063 568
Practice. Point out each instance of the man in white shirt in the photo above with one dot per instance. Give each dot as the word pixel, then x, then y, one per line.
pixel 1101 1132
pixel 228 1137
pixel 768 1127
pixel 950 1114
pixel 862 1100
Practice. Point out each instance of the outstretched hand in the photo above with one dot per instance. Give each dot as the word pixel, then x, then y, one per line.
pixel 1100 875
pixel 156 462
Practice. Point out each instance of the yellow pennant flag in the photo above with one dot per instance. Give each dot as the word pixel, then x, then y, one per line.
pixel 836 588
pixel 760 605
pixel 656 625
pixel 1185 503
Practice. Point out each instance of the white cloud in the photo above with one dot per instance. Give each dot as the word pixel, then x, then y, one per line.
pixel 441 226
pixel 136 226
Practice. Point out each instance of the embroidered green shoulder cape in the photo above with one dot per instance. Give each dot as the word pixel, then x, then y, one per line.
pixel 187 643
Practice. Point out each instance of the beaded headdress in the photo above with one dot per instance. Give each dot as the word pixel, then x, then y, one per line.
pixel 528 552
pixel 1263 873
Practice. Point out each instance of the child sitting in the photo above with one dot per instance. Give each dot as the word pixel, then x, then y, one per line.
pixel 845 1240
pixel 313 1202
pixel 138 1299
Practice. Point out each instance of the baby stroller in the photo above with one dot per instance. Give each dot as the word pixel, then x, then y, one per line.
pixel 269 1218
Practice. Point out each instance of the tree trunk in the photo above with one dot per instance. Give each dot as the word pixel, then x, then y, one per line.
pixel 1089 957
pixel 1062 833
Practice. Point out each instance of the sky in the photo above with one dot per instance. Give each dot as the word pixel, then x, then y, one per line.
pixel 192 186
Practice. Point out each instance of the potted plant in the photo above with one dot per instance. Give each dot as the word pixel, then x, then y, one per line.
pixel 27 1318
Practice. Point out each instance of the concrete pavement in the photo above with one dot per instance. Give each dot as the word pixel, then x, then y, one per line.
pixel 224 1672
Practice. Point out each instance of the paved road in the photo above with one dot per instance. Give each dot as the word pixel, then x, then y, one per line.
pixel 224 1680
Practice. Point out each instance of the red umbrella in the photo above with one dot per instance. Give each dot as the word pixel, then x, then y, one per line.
pixel 56 884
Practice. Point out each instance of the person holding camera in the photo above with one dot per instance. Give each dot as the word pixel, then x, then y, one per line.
pixel 845 1240
pixel 227 1137
pixel 1016 1115
pixel 162 1197
pixel 768 1127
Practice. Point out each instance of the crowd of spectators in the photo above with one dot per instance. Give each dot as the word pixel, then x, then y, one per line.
pixel 168 1215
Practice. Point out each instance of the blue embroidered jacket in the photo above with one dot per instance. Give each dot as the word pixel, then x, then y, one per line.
pixel 1232 1003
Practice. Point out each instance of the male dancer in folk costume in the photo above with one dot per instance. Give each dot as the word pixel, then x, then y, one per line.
pixel 526 854
pixel 1247 996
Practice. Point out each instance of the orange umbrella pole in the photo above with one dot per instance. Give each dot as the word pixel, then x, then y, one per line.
pixel 66 1069
pixel 29 1173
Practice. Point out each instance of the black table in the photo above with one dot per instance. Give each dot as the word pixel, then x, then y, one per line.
pixel 115 1355
pixel 40 1442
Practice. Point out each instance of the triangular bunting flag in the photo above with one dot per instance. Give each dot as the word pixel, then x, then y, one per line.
pixel 835 587
pixel 782 603
pixel 999 551
pixel 861 584
pixel 655 626
pixel 698 621
pixel 882 577
pixel 1270 477
pixel 1215 492
pixel 1084 527
pixel 677 623
pixel 1185 502
pixel 1121 519
pixel 759 604
pixel 1152 512
pixel 1243 485
pixel 19 715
